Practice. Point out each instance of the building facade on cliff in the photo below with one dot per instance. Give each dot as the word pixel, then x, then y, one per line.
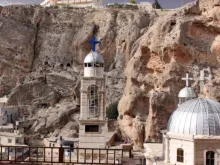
pixel 78 3
pixel 89 3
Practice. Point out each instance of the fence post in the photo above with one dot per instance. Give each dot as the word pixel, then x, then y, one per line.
pixel 61 152
pixel 130 154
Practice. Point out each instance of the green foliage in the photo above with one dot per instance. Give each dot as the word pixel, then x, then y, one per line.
pixel 132 1
pixel 112 111
pixel 156 5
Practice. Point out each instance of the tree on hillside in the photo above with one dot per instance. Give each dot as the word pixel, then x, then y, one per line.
pixel 112 111
pixel 132 1
pixel 156 5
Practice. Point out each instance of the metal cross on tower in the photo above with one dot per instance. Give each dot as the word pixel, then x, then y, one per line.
pixel 187 78
pixel 94 42
pixel 203 78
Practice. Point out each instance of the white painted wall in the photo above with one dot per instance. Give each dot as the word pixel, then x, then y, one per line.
pixel 187 146
pixel 93 72
pixel 4 139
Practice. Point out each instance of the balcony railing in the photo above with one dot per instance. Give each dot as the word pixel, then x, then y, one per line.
pixel 20 154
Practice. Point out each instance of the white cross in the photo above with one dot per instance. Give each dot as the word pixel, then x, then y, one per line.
pixel 203 78
pixel 187 78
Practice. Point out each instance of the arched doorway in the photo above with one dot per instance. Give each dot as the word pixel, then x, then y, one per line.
pixel 210 158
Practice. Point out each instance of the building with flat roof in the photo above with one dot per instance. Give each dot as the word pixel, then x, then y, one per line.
pixel 8 113
pixel 77 3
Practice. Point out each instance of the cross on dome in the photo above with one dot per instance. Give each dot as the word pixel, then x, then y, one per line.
pixel 187 79
pixel 94 42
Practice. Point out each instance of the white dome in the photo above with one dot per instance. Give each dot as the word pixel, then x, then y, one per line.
pixel 187 92
pixel 94 57
pixel 196 117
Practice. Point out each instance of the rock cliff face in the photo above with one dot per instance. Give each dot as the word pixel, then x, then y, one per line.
pixel 42 52
pixel 185 40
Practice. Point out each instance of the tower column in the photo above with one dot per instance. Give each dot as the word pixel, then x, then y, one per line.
pixel 92 123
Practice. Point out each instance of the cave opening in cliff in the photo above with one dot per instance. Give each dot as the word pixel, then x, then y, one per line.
pixel 46 63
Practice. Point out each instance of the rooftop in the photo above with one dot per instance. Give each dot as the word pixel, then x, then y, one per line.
pixel 10 134
pixel 196 117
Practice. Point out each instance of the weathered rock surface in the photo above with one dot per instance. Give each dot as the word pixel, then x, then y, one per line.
pixel 185 40
pixel 42 52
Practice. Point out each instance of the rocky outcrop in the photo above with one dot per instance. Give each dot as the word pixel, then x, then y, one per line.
pixel 185 40
pixel 42 52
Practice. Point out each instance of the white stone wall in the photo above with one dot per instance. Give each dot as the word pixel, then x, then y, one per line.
pixel 187 146
pixel 94 139
pixel 93 71
pixel 4 140
pixel 85 83
pixel 77 3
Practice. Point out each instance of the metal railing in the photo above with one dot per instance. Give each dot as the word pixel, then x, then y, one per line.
pixel 25 154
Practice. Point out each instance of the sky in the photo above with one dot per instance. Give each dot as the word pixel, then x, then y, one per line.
pixel 167 4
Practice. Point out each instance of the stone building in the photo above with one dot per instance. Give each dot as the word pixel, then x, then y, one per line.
pixel 92 123
pixel 193 135
pixel 15 138
pixel 8 114
pixel 77 3
pixel 193 132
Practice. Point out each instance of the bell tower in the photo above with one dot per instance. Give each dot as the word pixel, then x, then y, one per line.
pixel 93 123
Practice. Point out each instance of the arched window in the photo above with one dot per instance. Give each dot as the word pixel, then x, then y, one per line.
pixel 93 101
pixel 210 158
pixel 180 155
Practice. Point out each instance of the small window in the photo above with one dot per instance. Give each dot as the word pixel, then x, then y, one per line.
pixel 92 128
pixel 9 140
pixel 17 140
pixel 49 144
pixel 97 65
pixel 210 158
pixel 53 145
pixel 180 155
